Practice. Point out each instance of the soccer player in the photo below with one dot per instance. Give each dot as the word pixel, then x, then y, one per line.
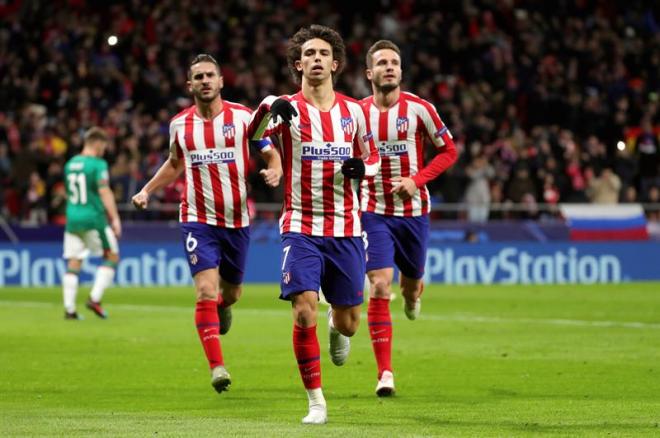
pixel 90 203
pixel 395 203
pixel 208 142
pixel 327 147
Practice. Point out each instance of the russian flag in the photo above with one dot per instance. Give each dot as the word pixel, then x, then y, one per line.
pixel 605 221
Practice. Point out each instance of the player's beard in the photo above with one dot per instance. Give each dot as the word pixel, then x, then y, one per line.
pixel 387 88
pixel 206 99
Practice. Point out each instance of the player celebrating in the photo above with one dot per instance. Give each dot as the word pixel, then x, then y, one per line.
pixel 396 201
pixel 89 204
pixel 208 141
pixel 326 147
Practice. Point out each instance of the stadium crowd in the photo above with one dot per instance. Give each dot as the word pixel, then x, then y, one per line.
pixel 548 101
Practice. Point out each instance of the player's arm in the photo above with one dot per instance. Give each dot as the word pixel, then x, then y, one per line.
pixel 108 200
pixel 273 171
pixel 368 163
pixel 168 172
pixel 271 114
pixel 441 138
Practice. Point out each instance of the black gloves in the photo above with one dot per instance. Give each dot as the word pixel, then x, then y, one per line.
pixel 353 168
pixel 283 108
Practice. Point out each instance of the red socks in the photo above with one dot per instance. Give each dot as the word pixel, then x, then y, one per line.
pixel 208 328
pixel 308 354
pixel 380 330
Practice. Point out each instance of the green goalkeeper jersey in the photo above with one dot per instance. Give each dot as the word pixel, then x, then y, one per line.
pixel 84 175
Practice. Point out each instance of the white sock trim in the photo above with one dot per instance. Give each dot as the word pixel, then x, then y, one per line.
pixel 315 397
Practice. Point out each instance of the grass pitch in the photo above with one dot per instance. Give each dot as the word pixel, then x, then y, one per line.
pixel 481 361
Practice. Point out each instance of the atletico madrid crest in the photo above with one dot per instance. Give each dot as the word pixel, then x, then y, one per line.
pixel 402 124
pixel 228 130
pixel 347 125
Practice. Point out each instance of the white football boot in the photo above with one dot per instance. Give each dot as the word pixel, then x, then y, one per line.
pixel 412 312
pixel 340 345
pixel 220 379
pixel 318 414
pixel 385 387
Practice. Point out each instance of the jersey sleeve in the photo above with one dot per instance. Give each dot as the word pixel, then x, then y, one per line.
pixel 261 125
pixel 175 147
pixel 364 141
pixel 441 138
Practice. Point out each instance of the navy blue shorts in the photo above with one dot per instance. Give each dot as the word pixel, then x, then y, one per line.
pixel 396 240
pixel 210 247
pixel 335 264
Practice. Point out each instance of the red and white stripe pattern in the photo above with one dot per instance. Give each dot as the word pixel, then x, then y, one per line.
pixel 318 200
pixel 216 157
pixel 399 134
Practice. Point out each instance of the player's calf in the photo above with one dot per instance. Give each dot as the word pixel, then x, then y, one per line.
pixel 340 345
pixel 225 316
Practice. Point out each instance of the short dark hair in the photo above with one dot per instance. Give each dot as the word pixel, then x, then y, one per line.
pixel 380 45
pixel 203 57
pixel 94 134
pixel 330 36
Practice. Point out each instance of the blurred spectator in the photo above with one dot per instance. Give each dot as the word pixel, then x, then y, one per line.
pixel 578 180
pixel 477 194
pixel 604 188
pixel 520 185
pixel 630 195
pixel 35 212
pixel 648 158
pixel 5 162
pixel 57 206
pixel 550 191
pixel 653 214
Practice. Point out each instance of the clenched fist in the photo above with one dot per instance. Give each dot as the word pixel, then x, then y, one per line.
pixel 140 200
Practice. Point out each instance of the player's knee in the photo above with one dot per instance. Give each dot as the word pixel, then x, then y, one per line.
pixel 206 291
pixel 74 266
pixel 380 286
pixel 304 315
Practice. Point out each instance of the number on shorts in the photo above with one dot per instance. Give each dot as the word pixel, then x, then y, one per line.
pixel 191 243
pixel 78 188
pixel 285 250
pixel 365 240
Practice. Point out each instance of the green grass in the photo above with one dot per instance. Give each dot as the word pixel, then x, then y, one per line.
pixel 481 361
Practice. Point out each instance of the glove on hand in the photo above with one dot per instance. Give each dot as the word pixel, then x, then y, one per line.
pixel 353 168
pixel 282 108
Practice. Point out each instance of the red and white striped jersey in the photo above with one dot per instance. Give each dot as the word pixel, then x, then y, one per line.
pixel 399 135
pixel 318 199
pixel 216 157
